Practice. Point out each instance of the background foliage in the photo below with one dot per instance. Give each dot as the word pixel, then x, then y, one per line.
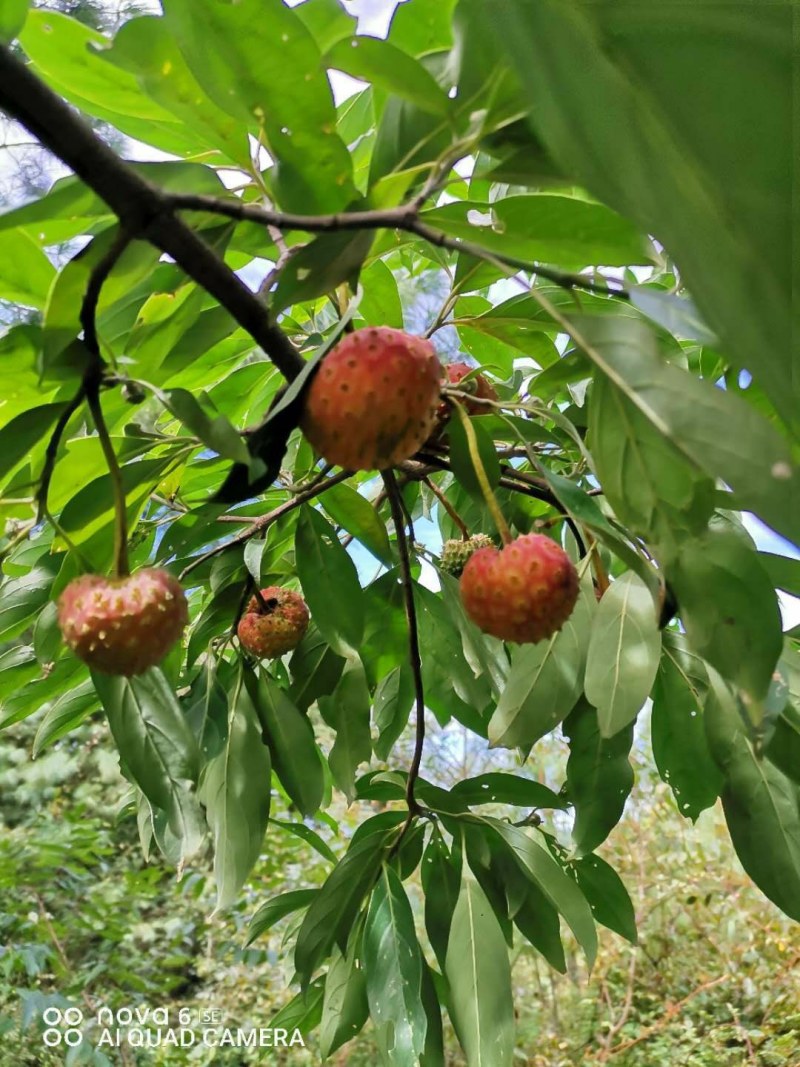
pixel 647 412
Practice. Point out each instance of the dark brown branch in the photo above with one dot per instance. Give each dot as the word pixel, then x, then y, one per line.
pixel 404 218
pixel 143 210
pixel 396 505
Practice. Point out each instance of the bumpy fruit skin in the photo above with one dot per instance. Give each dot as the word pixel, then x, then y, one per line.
pixel 277 630
pixel 373 401
pixel 123 625
pixel 456 553
pixel 524 592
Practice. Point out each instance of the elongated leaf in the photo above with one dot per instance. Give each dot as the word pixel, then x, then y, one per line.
pixel 25 271
pixel 303 1012
pixel 347 712
pixel 380 63
pixel 716 430
pixel 331 915
pixel 608 897
pixel 784 748
pixel 393 966
pixel 478 971
pixel 262 65
pixel 64 715
pixel 461 457
pixel 678 734
pixel 217 432
pixel 729 608
pixel 12 19
pixel 393 700
pixel 344 1008
pixel 557 887
pixel 315 669
pixel 305 833
pixel 441 880
pixel 272 911
pixel 599 777
pixel 330 582
pixel 236 793
pixel 624 652
pixel 499 788
pixel 157 749
pixel 355 514
pixel 544 682
pixel 761 805
pixel 625 122
pixel 290 737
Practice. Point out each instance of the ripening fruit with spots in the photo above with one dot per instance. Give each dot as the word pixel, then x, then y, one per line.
pixel 275 625
pixel 524 592
pixel 123 625
pixel 373 401
pixel 477 386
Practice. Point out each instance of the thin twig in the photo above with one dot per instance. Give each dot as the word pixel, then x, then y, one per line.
pixel 397 506
pixel 448 507
pixel 266 520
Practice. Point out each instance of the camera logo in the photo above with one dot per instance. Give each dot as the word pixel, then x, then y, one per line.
pixel 62 1027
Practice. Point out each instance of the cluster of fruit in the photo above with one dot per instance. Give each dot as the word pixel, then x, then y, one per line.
pixel 374 402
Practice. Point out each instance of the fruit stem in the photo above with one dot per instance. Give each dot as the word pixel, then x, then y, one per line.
pixel 396 505
pixel 480 474
pixel 121 563
pixel 448 507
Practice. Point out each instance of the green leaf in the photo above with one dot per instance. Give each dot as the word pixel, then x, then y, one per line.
pixel 275 909
pixel 262 65
pixel 344 1008
pixel 461 459
pixel 157 749
pixel 544 682
pixel 783 571
pixel 381 63
pixel 624 652
pixel 332 913
pixel 305 833
pixel 761 805
pixel 607 896
pixel 25 271
pixel 69 711
pixel 717 430
pixel 544 228
pixel 315 669
pixel 677 314
pixel 441 880
pixel 393 969
pixel 18 437
pixel 12 18
pixel 217 432
pixel 479 975
pixel 346 711
pixel 624 121
pixel 236 792
pixel 599 777
pixel 729 608
pixel 290 737
pixel 784 748
pixel 322 265
pixel 330 582
pixel 392 702
pixel 500 788
pixel 354 513
pixel 558 888
pixel 677 729
pixel 303 1012
pixel 380 303
pixel 645 478
pixel 145 48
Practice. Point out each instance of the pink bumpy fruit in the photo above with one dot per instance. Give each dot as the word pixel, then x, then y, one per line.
pixel 373 401
pixel 524 592
pixel 123 625
pixel 276 628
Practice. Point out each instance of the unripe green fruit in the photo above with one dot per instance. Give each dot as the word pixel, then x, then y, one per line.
pixel 456 553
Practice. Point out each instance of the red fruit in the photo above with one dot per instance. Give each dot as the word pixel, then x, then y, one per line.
pixel 278 627
pixel 123 625
pixel 373 401
pixel 478 386
pixel 523 592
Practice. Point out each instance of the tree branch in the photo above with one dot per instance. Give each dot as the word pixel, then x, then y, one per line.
pixel 396 504
pixel 143 210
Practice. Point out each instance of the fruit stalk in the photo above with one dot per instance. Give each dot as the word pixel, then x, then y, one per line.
pixel 121 563
pixel 480 474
